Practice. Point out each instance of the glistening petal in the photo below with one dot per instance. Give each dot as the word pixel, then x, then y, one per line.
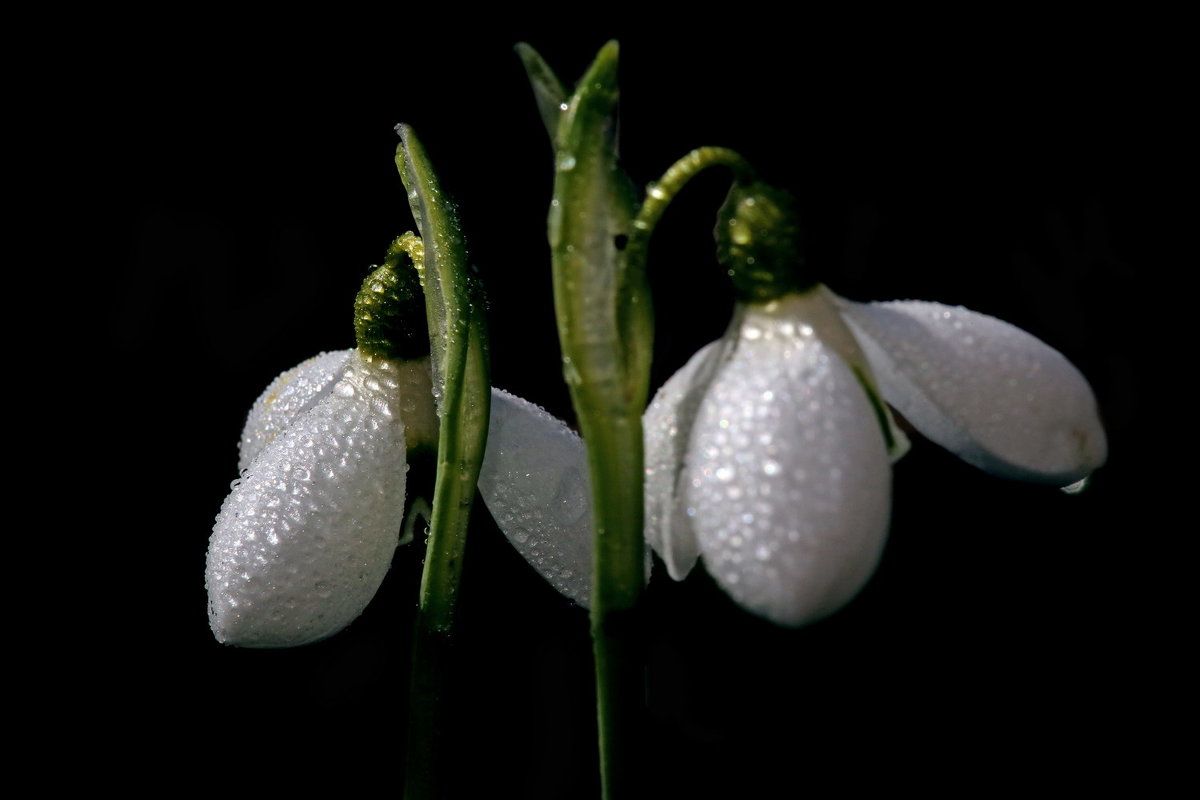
pixel 303 386
pixel 305 538
pixel 287 397
pixel 790 482
pixel 987 391
pixel 534 480
pixel 668 428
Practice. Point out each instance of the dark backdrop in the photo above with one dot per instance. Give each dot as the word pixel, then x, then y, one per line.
pixel 243 176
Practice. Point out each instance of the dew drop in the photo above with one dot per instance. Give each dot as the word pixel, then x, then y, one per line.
pixel 570 500
pixel 1078 486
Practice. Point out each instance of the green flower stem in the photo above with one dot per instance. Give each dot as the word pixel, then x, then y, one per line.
pixel 615 454
pixel 598 243
pixel 603 325
pixel 458 349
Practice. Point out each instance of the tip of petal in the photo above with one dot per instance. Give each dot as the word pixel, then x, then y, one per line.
pixel 988 391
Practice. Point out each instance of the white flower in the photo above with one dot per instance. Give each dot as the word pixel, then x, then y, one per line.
pixel 306 536
pixel 766 454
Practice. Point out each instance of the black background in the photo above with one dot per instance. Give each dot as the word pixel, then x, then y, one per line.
pixel 243 180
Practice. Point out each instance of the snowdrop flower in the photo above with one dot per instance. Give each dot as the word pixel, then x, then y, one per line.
pixel 306 535
pixel 768 454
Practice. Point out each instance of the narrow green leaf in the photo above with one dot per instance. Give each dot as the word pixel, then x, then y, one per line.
pixel 604 329
pixel 458 345
pixel 590 222
pixel 548 90
pixel 458 339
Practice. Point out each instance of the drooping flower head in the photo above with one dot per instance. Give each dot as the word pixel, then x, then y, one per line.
pixel 306 535
pixel 767 454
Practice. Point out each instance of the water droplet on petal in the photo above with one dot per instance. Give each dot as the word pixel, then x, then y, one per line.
pixel 1078 486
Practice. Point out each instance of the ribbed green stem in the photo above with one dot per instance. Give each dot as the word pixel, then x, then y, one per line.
pixel 618 640
pixel 603 327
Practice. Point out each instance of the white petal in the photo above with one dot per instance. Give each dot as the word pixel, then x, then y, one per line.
pixel 790 479
pixel 287 397
pixel 303 386
pixel 991 393
pixel 534 480
pixel 668 427
pixel 305 538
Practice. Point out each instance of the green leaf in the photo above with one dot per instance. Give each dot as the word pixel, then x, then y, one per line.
pixel 605 329
pixel 548 90
pixel 458 346
pixel 458 338
pixel 605 321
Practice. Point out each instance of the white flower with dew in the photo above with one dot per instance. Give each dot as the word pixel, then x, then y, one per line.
pixel 767 455
pixel 306 535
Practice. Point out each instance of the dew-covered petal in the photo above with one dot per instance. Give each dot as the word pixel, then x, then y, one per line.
pixel 300 388
pixel 667 425
pixel 287 397
pixel 534 480
pixel 987 391
pixel 790 485
pixel 305 538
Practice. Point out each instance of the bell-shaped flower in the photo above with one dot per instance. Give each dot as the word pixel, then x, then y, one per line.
pixel 307 533
pixel 767 454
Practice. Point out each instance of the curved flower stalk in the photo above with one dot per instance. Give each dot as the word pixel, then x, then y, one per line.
pixel 306 535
